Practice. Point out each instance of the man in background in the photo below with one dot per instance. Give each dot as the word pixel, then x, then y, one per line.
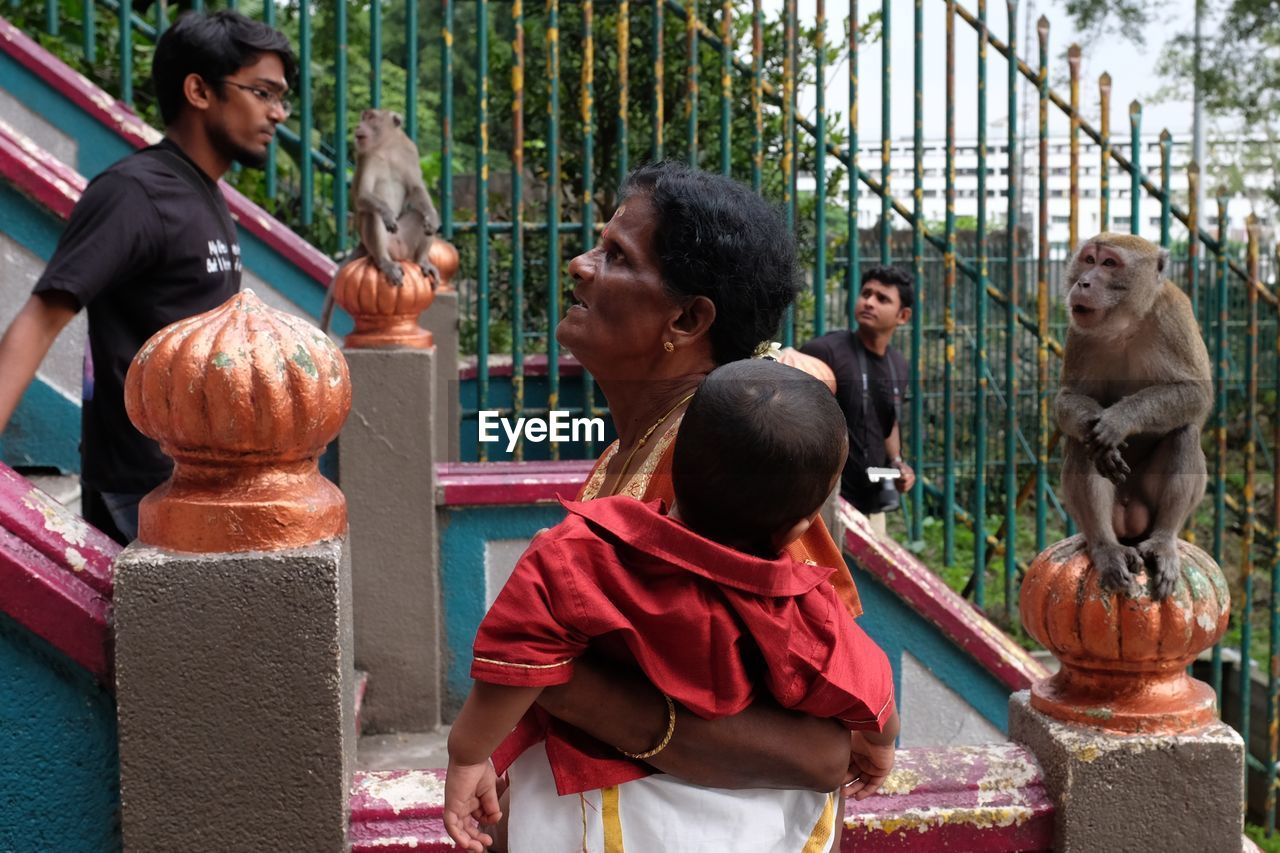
pixel 871 380
pixel 151 242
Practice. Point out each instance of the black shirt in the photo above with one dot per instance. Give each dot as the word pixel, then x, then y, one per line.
pixel 887 377
pixel 149 243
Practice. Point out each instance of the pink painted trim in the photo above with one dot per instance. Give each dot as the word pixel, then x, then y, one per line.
pixel 988 798
pixel 126 124
pixel 37 174
pixel 927 594
pixel 534 365
pixel 56 574
pixel 509 483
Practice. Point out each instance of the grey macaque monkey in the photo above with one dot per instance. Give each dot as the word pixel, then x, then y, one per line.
pixel 1136 389
pixel 393 212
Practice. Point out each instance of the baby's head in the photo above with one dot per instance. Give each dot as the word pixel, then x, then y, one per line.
pixel 758 452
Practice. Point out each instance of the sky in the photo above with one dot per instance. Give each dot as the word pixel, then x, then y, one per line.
pixel 1132 69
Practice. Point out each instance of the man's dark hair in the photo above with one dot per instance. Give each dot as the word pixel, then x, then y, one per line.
pixel 895 277
pixel 716 238
pixel 757 451
pixel 214 46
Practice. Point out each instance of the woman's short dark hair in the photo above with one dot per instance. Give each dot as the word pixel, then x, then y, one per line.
pixel 716 238
pixel 895 277
pixel 214 46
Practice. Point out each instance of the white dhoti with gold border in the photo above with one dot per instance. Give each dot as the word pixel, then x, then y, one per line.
pixel 661 814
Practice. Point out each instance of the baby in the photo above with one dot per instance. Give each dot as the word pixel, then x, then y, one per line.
pixel 697 597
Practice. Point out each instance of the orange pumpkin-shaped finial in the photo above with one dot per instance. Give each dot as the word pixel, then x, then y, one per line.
pixel 445 256
pixel 1124 656
pixel 385 314
pixel 244 398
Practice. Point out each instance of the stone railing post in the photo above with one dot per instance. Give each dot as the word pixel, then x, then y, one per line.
pixel 442 322
pixel 386 464
pixel 1133 753
pixel 234 675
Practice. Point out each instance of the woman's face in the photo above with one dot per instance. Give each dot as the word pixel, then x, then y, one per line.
pixel 620 311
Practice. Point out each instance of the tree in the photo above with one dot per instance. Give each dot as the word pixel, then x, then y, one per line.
pixel 1239 73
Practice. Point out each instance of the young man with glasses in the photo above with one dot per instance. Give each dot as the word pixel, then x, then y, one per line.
pixel 150 242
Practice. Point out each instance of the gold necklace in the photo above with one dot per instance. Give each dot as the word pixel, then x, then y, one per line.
pixel 639 444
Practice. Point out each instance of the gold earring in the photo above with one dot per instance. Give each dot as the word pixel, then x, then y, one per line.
pixel 668 346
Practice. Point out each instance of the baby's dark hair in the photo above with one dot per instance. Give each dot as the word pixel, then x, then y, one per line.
pixel 757 451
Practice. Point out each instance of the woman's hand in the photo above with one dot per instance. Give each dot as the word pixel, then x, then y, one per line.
pixel 765 746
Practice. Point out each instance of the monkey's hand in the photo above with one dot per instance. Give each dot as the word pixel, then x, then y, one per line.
pixel 392 271
pixel 1117 566
pixel 430 271
pixel 1163 564
pixel 1111 464
pixel 1105 432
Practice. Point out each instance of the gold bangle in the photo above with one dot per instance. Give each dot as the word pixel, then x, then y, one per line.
pixel 666 737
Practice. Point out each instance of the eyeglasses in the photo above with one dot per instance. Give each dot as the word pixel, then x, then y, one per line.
pixel 269 98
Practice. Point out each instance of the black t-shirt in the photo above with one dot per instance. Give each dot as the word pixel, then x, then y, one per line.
pixel 149 243
pixel 887 377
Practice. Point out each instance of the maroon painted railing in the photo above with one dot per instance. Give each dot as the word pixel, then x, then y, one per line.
pixel 55 574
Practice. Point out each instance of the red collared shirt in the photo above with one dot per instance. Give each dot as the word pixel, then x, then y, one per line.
pixel 708 625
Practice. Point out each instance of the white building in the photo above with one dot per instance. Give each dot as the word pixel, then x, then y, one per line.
pixel 902 171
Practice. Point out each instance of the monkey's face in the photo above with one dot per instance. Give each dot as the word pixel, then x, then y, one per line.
pixel 373 127
pixel 1099 276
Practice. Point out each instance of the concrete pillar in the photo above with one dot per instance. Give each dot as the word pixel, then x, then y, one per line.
pixel 1134 756
pixel 1177 793
pixel 441 319
pixel 234 655
pixel 386 464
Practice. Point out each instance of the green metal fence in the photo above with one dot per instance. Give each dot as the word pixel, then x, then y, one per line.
pixel 528 116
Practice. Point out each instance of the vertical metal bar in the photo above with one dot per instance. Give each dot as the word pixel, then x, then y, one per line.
pixel 340 125
pixel 126 51
pixel 853 274
pixel 87 17
pixel 587 104
pixel 1135 177
pixel 691 79
pixel 482 207
pixel 624 88
pixel 517 215
pixel 1250 478
pixel 789 153
pixel 1042 298
pixel 1166 204
pixel 949 310
pixel 305 118
pixel 1273 661
pixel 586 110
pixel 1220 413
pixel 658 97
pixel 1011 334
pixel 980 334
pixel 1073 228
pixel 162 22
pixel 886 130
pixel 375 53
pixel 446 121
pixel 757 96
pixel 820 177
pixel 1193 239
pixel 51 17
pixel 726 84
pixel 272 170
pixel 411 69
pixel 917 258
pixel 1104 173
pixel 553 207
